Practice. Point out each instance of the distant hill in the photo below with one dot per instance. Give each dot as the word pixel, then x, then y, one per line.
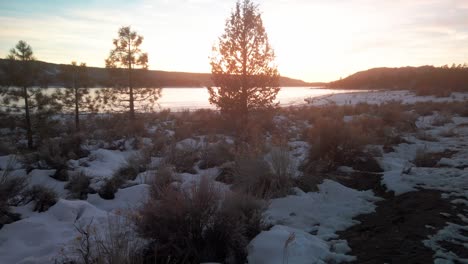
pixel 99 77
pixel 424 79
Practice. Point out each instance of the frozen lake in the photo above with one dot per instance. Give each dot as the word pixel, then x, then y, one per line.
pixel 195 98
pixel 177 99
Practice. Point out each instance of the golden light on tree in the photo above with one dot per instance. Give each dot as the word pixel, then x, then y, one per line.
pixel 242 65
pixel 127 61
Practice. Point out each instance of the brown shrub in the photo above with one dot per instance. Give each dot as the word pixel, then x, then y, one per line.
pixel 193 226
pixel 163 177
pixel 79 186
pixel 216 154
pixel 11 190
pixel 42 196
pixel 334 143
pixel 254 176
pixel 183 159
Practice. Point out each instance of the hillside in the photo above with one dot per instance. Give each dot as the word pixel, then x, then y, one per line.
pixel 99 77
pixel 424 79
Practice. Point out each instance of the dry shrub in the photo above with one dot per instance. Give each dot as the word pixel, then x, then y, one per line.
pixel 54 153
pixel 42 196
pixel 11 190
pixel 128 171
pixel 79 186
pixel 195 225
pixel 183 159
pixel 254 176
pixel 448 133
pixel 216 154
pixel 308 182
pixel 393 114
pixel 334 143
pixel 162 179
pixel 423 158
pixel 442 119
pixel 116 243
pixel 226 172
pixel 426 136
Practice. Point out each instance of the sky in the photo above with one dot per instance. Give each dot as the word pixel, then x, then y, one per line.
pixel 314 40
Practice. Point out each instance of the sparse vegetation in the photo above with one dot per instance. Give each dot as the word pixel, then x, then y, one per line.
pixel 11 190
pixel 43 197
pixel 78 186
pixel 195 225
pixel 254 176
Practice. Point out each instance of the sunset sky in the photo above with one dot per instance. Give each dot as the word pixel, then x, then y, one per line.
pixel 314 40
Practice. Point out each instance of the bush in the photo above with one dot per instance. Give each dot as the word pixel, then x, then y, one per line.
pixel 116 243
pixel 79 186
pixel 256 177
pixel 334 143
pixel 163 177
pixel 215 155
pixel 195 225
pixel 110 187
pixel 42 196
pixel 183 159
pixel 129 171
pixel 11 190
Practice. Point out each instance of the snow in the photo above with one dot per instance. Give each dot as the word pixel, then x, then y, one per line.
pixel 453 233
pixel 329 210
pixel 38 238
pixel 379 97
pixel 283 244
pixel 323 213
pixel 9 162
pixel 43 178
pixel 127 198
pixel 102 163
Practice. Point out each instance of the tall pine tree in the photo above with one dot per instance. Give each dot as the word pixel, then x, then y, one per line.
pixel 127 60
pixel 19 95
pixel 243 69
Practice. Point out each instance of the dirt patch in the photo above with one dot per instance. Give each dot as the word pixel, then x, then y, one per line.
pixel 394 233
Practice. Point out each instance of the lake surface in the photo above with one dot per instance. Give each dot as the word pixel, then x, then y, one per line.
pixel 178 99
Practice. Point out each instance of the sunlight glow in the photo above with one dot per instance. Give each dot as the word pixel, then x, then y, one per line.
pixel 313 40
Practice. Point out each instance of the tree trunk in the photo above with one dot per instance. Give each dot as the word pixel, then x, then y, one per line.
pixel 28 118
pixel 77 106
pixel 77 111
pixel 132 106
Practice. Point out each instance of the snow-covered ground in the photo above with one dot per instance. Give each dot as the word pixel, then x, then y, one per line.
pixel 305 225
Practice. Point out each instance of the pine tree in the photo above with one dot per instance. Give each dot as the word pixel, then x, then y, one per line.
pixel 76 96
pixel 127 59
pixel 19 95
pixel 243 69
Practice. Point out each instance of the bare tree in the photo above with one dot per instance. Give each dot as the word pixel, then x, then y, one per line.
pixel 244 73
pixel 124 59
